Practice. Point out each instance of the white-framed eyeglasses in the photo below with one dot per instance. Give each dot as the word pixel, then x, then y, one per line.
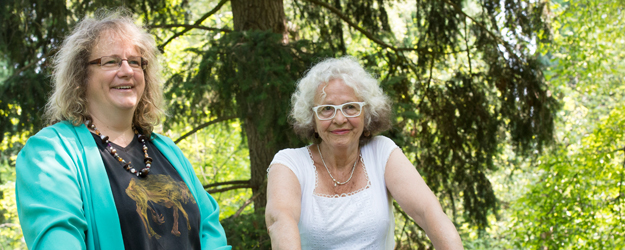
pixel 349 109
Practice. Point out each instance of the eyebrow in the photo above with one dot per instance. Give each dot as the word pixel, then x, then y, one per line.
pixel 116 55
pixel 336 104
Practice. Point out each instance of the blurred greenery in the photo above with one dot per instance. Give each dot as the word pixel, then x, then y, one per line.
pixel 511 110
pixel 10 231
pixel 575 196
pixel 247 231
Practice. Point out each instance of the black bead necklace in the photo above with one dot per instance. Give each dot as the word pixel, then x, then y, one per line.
pixel 127 165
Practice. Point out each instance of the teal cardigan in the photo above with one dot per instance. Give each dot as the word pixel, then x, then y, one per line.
pixel 64 199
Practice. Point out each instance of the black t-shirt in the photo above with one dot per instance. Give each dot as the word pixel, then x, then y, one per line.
pixel 157 211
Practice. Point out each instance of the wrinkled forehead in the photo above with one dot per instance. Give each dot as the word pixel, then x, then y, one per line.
pixel 321 92
pixel 111 37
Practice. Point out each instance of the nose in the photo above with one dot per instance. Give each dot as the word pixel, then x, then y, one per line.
pixel 339 118
pixel 125 70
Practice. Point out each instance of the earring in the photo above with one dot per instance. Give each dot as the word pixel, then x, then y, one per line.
pixel 367 133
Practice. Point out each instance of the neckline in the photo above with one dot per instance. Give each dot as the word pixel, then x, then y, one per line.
pixel 335 196
pixel 117 146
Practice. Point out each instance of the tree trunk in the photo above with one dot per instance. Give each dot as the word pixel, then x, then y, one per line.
pixel 261 154
pixel 258 15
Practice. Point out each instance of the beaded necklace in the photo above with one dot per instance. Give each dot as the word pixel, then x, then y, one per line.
pixel 127 165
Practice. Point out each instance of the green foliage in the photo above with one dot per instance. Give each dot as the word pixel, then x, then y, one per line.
pixel 462 75
pixel 460 88
pixel 585 57
pixel 31 32
pixel 218 155
pixel 248 74
pixel 10 231
pixel 247 231
pixel 578 201
pixel 574 198
pixel 22 100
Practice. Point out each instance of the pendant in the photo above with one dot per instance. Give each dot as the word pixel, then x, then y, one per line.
pixel 335 184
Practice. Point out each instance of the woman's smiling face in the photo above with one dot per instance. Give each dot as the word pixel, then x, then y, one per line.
pixel 114 90
pixel 339 131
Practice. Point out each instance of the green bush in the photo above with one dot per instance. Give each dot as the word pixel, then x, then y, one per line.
pixel 247 231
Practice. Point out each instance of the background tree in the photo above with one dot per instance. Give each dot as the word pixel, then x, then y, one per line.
pixel 462 75
pixel 575 200
pixel 462 107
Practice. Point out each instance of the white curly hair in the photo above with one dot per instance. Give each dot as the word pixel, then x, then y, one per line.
pixel 366 87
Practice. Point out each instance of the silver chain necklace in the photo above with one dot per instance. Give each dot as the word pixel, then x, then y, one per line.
pixel 336 182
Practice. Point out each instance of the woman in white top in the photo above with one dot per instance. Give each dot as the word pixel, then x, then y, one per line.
pixel 337 193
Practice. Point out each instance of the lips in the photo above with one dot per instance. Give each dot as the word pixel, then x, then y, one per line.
pixel 340 131
pixel 123 87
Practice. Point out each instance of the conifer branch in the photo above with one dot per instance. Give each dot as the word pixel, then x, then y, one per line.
pixel 247 202
pixel 363 31
pixel 403 213
pixel 187 134
pixel 466 42
pixel 427 88
pixel 221 190
pixel 403 231
pixel 189 26
pixel 216 184
pixel 9 225
pixel 197 23
pixel 497 38
pixel 459 10
pixel 33 63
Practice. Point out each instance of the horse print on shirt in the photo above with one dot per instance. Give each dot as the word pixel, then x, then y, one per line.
pixel 159 190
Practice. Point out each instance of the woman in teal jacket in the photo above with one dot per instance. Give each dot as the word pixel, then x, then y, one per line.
pixel 99 177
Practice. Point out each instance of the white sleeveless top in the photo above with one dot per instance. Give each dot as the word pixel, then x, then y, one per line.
pixel 359 220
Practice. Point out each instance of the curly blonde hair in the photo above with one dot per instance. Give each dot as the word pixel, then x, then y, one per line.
pixel 378 108
pixel 68 100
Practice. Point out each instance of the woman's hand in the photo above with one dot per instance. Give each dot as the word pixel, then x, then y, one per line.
pixel 283 208
pixel 415 197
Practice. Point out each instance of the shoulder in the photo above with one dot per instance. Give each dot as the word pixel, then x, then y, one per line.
pixel 380 142
pixel 59 133
pixel 378 151
pixel 292 151
pixel 168 147
pixel 293 158
pixel 166 144
pixel 289 156
pixel 380 139
pixel 58 143
pixel 158 138
pixel 58 129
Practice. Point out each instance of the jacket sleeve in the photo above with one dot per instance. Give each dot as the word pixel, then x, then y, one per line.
pixel 48 194
pixel 212 235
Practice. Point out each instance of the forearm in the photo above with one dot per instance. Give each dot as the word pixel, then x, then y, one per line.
pixel 442 232
pixel 418 201
pixel 212 233
pixel 284 234
pixel 283 208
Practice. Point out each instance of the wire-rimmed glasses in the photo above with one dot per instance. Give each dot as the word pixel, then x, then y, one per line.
pixel 349 109
pixel 115 62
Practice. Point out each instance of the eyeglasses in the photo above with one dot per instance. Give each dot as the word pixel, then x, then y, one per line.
pixel 115 62
pixel 327 112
